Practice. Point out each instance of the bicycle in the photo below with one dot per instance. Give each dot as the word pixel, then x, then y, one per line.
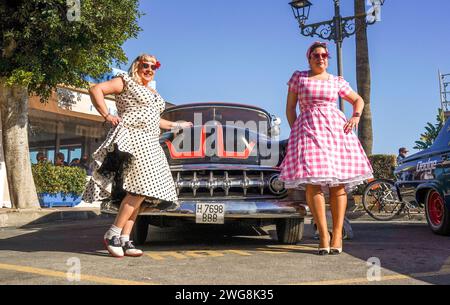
pixel 381 201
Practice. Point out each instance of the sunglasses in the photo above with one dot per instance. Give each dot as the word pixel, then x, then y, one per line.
pixel 153 67
pixel 320 55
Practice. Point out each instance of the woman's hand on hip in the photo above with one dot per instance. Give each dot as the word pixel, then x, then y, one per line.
pixel 351 124
pixel 113 120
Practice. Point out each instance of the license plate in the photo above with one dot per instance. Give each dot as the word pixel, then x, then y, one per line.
pixel 213 213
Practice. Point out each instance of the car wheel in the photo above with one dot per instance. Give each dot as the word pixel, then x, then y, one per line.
pixel 140 230
pixel 437 213
pixel 290 230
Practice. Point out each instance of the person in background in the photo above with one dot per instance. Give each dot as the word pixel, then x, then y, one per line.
pixel 75 162
pixel 40 157
pixel 402 152
pixel 60 159
pixel 84 163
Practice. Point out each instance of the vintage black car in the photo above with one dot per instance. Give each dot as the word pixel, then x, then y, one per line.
pixel 226 173
pixel 424 179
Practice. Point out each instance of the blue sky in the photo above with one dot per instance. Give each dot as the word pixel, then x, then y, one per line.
pixel 246 50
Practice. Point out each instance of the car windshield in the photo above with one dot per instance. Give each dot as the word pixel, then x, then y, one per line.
pixel 227 115
pixel 443 139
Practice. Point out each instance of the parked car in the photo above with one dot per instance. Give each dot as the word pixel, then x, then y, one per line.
pixel 226 170
pixel 424 179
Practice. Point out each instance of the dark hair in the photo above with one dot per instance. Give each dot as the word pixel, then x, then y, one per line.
pixel 316 46
pixel 39 156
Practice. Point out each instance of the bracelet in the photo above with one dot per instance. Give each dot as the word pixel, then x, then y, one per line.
pixel 106 116
pixel 177 125
pixel 356 115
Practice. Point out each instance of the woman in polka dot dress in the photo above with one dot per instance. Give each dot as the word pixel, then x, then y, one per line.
pixel 323 154
pixel 134 136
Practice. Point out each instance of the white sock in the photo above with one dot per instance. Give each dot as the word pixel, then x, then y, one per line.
pixel 124 239
pixel 113 231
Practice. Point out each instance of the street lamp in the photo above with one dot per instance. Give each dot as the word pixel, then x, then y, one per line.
pixel 300 8
pixel 444 82
pixel 336 29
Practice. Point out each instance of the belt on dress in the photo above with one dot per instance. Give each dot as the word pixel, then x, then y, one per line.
pixel 312 106
pixel 144 129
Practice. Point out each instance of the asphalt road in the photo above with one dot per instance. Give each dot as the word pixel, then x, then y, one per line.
pixel 72 253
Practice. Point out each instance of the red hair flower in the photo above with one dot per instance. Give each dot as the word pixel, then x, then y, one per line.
pixel 156 66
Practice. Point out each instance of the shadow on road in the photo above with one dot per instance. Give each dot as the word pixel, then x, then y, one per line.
pixel 402 247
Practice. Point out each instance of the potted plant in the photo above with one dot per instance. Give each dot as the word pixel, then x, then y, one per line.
pixel 58 185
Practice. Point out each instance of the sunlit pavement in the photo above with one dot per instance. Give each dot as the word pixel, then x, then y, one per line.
pixel 54 253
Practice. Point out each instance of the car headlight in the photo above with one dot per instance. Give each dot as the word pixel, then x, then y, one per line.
pixel 276 186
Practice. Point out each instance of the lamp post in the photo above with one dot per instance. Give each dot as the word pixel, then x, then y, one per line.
pixel 444 83
pixel 336 29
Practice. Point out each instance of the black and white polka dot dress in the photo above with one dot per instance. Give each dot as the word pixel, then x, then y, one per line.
pixel 146 171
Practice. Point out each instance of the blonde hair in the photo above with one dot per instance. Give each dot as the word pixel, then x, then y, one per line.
pixel 133 71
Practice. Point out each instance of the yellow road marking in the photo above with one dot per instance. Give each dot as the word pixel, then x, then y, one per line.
pixel 84 277
pixel 285 249
pixel 113 281
pixel 384 278
pixel 293 247
pixel 203 253
pixel 239 252
pixel 160 255
pixel 272 251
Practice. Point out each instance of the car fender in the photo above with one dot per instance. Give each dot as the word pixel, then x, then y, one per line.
pixel 422 190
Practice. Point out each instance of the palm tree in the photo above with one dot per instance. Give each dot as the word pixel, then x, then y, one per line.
pixel 365 132
pixel 431 132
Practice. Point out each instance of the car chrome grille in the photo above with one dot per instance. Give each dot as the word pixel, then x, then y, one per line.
pixel 230 184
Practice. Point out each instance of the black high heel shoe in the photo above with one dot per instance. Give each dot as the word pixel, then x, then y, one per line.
pixel 324 251
pixel 336 251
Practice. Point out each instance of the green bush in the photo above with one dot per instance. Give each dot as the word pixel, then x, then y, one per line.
pixel 58 179
pixel 383 166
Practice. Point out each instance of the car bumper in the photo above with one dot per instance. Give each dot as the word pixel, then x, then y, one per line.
pixel 233 209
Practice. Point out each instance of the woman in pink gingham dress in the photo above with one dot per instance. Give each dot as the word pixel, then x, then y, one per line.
pixel 323 154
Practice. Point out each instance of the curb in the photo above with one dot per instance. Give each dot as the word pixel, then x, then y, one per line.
pixel 363 216
pixel 16 218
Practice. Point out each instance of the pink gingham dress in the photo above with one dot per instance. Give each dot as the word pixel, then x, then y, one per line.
pixel 319 152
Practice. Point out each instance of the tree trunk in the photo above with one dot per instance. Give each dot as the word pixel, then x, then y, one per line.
pixel 365 132
pixel 14 112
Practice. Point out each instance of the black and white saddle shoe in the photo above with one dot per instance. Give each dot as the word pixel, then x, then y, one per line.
pixel 130 250
pixel 114 246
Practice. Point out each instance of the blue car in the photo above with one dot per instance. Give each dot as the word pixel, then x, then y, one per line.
pixel 424 179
